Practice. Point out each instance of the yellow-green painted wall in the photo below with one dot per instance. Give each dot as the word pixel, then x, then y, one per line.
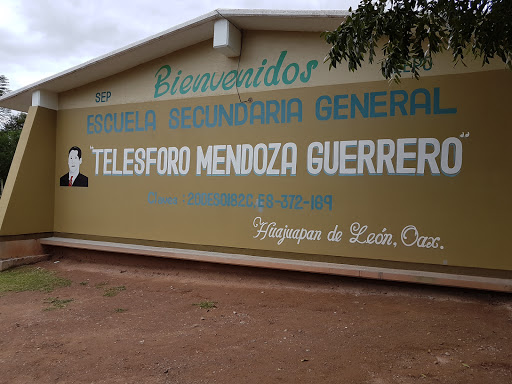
pixel 458 214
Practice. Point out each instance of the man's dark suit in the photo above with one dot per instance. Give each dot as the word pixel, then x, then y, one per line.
pixel 80 181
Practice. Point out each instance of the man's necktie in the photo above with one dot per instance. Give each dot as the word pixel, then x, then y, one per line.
pixel 70 181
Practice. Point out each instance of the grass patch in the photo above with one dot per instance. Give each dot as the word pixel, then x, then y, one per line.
pixel 113 291
pixel 56 303
pixel 120 310
pixel 84 283
pixel 30 279
pixel 206 304
pixel 101 285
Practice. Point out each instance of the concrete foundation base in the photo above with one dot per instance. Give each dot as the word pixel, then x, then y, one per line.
pixel 15 262
pixel 19 248
pixel 18 252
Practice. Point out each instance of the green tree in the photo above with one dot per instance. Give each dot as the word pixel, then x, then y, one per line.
pixel 9 137
pixel 15 122
pixel 413 31
pixel 4 84
pixel 4 88
pixel 11 125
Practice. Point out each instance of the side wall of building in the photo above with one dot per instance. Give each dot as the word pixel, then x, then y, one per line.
pixel 27 204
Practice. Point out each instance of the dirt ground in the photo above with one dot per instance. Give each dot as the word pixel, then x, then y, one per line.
pixel 267 327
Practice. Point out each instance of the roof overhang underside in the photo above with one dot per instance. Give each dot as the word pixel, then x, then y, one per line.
pixel 171 40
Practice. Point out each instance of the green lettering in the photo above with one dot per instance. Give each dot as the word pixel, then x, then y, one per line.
pixel 161 81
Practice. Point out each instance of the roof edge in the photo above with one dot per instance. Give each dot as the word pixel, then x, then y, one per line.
pixel 332 13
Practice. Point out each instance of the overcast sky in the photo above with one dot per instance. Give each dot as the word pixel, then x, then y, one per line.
pixel 39 38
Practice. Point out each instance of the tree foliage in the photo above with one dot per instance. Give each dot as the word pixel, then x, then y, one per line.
pixel 8 143
pixel 15 122
pixel 415 30
pixel 4 88
pixel 4 84
pixel 10 130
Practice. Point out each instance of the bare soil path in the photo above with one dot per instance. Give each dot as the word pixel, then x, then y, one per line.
pixel 267 327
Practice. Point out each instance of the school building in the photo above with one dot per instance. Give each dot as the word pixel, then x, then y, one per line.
pixel 228 140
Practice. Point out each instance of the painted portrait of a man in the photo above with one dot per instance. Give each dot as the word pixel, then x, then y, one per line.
pixel 74 178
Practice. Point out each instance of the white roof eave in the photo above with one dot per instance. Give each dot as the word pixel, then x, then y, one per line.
pixel 181 36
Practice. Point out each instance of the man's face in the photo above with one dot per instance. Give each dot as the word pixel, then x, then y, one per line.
pixel 74 162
